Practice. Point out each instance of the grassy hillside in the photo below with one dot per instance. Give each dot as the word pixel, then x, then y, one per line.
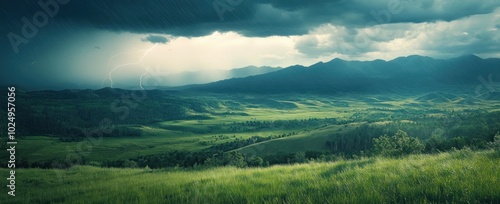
pixel 459 176
pixel 304 141
pixel 235 118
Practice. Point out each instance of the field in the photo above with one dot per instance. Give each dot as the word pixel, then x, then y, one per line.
pixel 295 148
pixel 200 134
pixel 460 176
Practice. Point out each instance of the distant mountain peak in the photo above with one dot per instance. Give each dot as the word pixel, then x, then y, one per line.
pixel 410 72
pixel 207 76
pixel 337 60
pixel 413 57
pixel 470 56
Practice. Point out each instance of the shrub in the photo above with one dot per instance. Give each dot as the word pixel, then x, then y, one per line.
pixel 129 164
pixel 496 142
pixel 300 157
pixel 236 159
pixel 255 162
pixel 397 145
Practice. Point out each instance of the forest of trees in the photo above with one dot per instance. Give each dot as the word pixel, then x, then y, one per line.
pixel 378 131
pixel 472 129
pixel 68 114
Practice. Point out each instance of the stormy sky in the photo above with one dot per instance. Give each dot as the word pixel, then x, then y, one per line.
pixel 54 44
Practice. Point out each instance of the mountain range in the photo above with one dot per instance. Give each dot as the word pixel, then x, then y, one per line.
pixel 207 76
pixel 411 72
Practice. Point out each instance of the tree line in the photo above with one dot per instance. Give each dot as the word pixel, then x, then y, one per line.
pixel 472 129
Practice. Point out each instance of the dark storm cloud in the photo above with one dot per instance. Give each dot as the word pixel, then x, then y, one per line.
pixel 250 18
pixel 155 39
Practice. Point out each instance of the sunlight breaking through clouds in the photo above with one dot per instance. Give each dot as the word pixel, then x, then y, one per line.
pixel 278 33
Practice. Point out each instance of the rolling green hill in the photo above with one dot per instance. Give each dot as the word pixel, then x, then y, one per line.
pixel 455 177
pixel 277 123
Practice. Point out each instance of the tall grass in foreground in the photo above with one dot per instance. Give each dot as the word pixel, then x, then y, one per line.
pixel 460 177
